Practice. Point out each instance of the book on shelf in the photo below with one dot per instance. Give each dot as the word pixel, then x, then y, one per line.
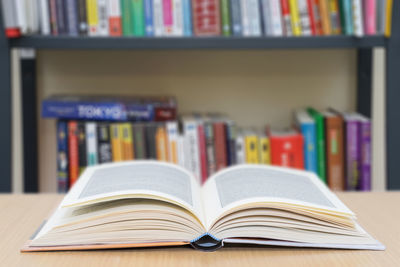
pixel 154 204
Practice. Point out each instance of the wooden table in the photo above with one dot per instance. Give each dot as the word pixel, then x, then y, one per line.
pixel 378 213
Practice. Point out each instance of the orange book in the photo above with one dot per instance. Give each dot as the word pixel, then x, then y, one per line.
pixel 116 142
pixel 127 141
pixel 325 18
pixel 161 143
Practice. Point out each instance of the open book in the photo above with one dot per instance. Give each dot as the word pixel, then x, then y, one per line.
pixel 150 203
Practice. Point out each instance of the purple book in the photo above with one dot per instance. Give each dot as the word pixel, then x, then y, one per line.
pixel 352 125
pixel 365 157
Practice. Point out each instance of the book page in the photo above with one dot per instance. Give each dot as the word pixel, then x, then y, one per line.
pixel 245 185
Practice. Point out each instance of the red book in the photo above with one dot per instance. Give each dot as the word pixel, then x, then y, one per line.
pixel 220 145
pixel 315 18
pixel 203 152
pixel 287 24
pixel 206 17
pixel 287 148
pixel 73 152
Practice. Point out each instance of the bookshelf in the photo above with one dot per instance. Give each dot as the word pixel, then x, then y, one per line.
pixel 364 47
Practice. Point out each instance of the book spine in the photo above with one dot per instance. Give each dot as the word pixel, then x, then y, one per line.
pixel 311 13
pixel 150 138
pixel 202 152
pixel 358 18
pixel 192 155
pixel 388 20
pixel 177 17
pixel 325 18
pixel 91 143
pixel 304 18
pixel 82 17
pixel 252 153
pixel 225 18
pixel 245 18
pixel 365 157
pixel 264 148
pixel 181 151
pixel 266 17
pixel 127 141
pixel 161 143
pixel 230 143
pixel 103 27
pixel 287 151
pixel 370 16
pixel 380 16
pixel 276 18
pixel 321 147
pixel 61 18
pixel 347 16
pixel 53 17
pixel 139 141
pixel 187 17
pixel 168 18
pixel 310 144
pixel 295 18
pixel 287 22
pixel 116 142
pixel 104 143
pixel 73 154
pixel 172 134
pixel 236 18
pixel 92 17
pixel 335 16
pixel 240 150
pixel 206 17
pixel 220 145
pixel 82 147
pixel 158 17
pixel 127 21
pixel 352 155
pixel 62 157
pixel 209 136
pixel 114 18
pixel 44 17
pixel 138 18
pixel 253 13
pixel 148 17
pixel 72 17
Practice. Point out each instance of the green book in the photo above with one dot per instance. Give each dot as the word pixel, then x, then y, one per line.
pixel 137 12
pixel 320 126
pixel 127 24
pixel 225 18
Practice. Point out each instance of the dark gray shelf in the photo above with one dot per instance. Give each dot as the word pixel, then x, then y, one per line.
pixel 226 43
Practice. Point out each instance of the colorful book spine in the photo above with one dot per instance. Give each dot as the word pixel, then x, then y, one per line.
pixel 308 129
pixel 62 27
pixel 138 18
pixel 158 17
pixel 388 21
pixel 276 18
pixel 210 148
pixel 82 17
pixel 92 17
pixel 127 141
pixel 365 157
pixel 177 17
pixel 320 125
pixel 370 12
pixel 127 18
pixel 287 22
pixel 236 17
pixel 161 143
pixel 102 28
pixel 62 157
pixel 352 154
pixel 139 140
pixel 287 151
pixel 312 7
pixel 325 17
pixel 304 18
pixel 148 17
pixel 240 149
pixel 335 16
pixel 82 147
pixel 72 17
pixel 295 18
pixel 192 155
pixel 73 154
pixel 265 150
pixel 346 16
pixel 53 17
pixel 104 143
pixel 172 136
pixel 358 21
pixel 168 18
pixel 252 154
pixel 114 18
pixel 225 18
pixel 220 145
pixel 91 143
pixel 202 152
pixel 116 142
pixel 230 142
pixel 206 17
pixel 187 17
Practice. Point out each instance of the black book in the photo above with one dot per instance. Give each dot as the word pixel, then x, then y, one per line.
pixel 139 140
pixel 82 18
pixel 82 146
pixel 104 142
pixel 151 130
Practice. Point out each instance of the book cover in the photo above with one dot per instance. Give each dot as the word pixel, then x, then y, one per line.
pixel 220 145
pixel 151 151
pixel 225 18
pixel 91 143
pixel 158 17
pixel 83 161
pixel 139 140
pixel 62 157
pixel 325 17
pixel 168 18
pixel 73 155
pixel 240 149
pixel 127 141
pixel 137 11
pixel 202 152
pixel 92 17
pixel 252 146
pixel 320 125
pixel 148 17
pixel 82 17
pixel 104 142
pixel 286 148
pixel 370 12
pixel 187 17
pixel 53 17
pixel 127 18
pixel 236 17
pixel 206 17
pixel 346 16
pixel 358 20
pixel 365 157
pixel 251 18
pixel 172 137
pixel 62 27
pixel 295 18
pixel 72 17
pixel 265 150
pixel 334 151
pixel 114 18
pixel 177 17
pixel 230 142
pixel 335 16
pixel 161 143
pixel 287 21
pixel 116 142
pixel 209 138
pixel 352 151
pixel 305 22
pixel 192 153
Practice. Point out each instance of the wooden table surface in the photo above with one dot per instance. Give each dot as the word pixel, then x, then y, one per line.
pixel 378 213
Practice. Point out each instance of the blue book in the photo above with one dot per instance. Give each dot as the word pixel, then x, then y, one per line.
pixel 187 17
pixel 236 18
pixel 104 108
pixel 308 129
pixel 148 17
pixel 62 157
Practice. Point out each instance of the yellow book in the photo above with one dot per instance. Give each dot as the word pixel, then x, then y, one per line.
pixel 295 17
pixel 116 142
pixel 92 16
pixel 388 22
pixel 251 143
pixel 161 144
pixel 127 141
pixel 325 17
pixel 334 10
pixel 172 137
pixel 265 151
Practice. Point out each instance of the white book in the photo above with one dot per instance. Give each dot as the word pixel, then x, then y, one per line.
pixel 44 17
pixel 276 17
pixel 304 18
pixel 266 15
pixel 245 18
pixel 21 16
pixel 254 18
pixel 177 18
pixel 240 149
pixel 181 151
pixel 358 18
pixel 172 135
pixel 158 18
pixel 32 15
pixel 91 143
pixel 9 14
pixel 192 152
pixel 102 12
